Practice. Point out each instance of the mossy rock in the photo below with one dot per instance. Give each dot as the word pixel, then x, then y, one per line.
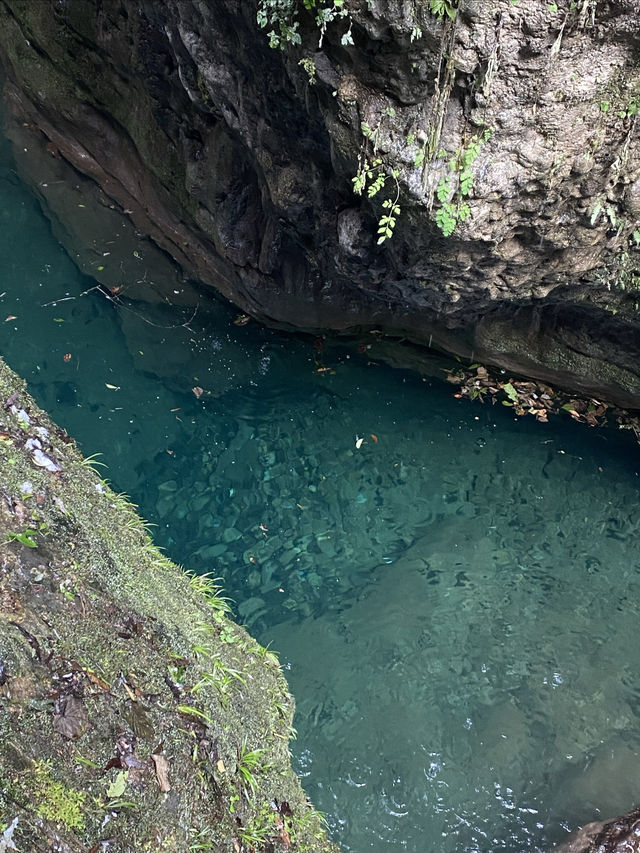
pixel 134 714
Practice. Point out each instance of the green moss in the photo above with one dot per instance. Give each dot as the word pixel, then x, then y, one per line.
pixel 54 801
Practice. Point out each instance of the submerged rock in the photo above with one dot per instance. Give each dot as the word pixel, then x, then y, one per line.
pixel 618 835
pixel 134 714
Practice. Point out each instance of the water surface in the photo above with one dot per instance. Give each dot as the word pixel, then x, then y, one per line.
pixel 454 593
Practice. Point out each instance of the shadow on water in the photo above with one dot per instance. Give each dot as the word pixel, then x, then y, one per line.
pixel 452 591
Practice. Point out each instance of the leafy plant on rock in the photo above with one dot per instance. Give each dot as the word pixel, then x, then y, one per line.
pixel 444 8
pixel 282 17
pixel 456 186
pixel 372 176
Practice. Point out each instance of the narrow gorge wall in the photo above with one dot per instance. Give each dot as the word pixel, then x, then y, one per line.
pixel 238 160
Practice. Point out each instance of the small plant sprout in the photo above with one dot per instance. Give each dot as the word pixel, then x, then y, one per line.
pixel 219 676
pixel 27 537
pixel 190 711
pixel 250 761
pixel 207 586
pixel 93 461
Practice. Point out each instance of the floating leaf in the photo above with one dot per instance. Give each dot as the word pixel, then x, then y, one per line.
pixel 374 438
pixel 66 357
pixel 510 391
pixel 242 320
pixel 10 317
pixel 359 442
pixel 198 391
pixel 112 387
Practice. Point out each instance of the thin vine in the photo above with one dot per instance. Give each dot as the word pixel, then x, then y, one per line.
pixel 372 176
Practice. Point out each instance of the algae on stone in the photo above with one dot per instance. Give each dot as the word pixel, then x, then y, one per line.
pixel 134 714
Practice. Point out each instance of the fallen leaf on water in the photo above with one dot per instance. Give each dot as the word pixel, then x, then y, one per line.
pixel 242 320
pixel 162 772
pixel 11 317
pixel 66 356
pixel 359 442
pixel 112 387
pixel 374 438
pixel 198 391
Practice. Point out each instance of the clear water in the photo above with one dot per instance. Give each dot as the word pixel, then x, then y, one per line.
pixel 456 602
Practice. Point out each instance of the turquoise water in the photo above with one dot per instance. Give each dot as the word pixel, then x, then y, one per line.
pixel 455 598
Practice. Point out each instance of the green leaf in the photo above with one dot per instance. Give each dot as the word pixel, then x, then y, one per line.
pixel 443 190
pixel 24 538
pixel 510 391
pixel 466 182
pixel 117 788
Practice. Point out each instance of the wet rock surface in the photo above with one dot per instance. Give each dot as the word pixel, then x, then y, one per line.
pixel 618 835
pixel 245 178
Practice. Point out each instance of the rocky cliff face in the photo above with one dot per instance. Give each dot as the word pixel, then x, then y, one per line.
pixel 511 124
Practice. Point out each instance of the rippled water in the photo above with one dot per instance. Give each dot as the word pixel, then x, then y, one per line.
pixel 455 596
